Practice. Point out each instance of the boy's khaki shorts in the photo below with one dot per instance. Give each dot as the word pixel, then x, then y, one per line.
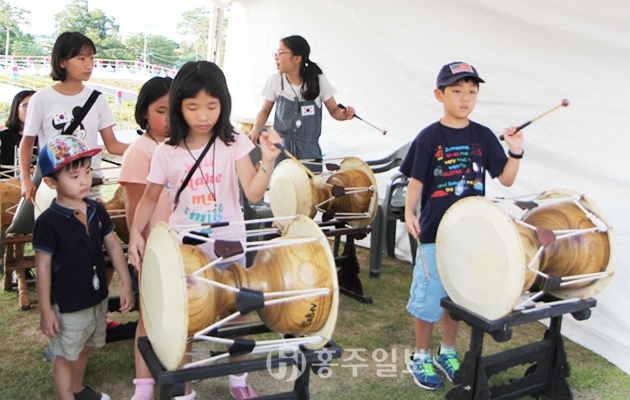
pixel 79 329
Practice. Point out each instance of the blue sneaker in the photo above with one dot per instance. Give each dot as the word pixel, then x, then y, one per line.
pixel 424 374
pixel 447 363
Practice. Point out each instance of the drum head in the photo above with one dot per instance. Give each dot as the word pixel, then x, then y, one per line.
pixel 163 298
pixel 592 289
pixel 43 197
pixel 23 220
pixel 306 227
pixel 480 257
pixel 291 191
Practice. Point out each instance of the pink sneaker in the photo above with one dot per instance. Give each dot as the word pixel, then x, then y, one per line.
pixel 243 392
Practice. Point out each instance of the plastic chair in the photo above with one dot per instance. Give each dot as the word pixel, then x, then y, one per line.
pixel 390 210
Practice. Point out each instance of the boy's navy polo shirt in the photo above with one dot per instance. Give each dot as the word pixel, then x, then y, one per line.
pixel 74 254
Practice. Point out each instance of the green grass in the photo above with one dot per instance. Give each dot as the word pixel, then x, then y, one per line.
pixel 31 82
pixel 365 328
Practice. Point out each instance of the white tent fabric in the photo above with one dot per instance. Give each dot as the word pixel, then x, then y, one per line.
pixel 383 58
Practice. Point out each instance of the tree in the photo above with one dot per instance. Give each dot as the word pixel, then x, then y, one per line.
pixel 26 45
pixel 195 25
pixel 10 18
pixel 159 49
pixel 103 30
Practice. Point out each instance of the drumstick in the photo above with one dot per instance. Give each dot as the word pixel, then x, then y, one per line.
pixel 39 210
pixel 291 156
pixel 426 271
pixel 564 103
pixel 111 161
pixel 356 116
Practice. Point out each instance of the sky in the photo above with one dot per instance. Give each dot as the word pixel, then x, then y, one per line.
pixel 131 15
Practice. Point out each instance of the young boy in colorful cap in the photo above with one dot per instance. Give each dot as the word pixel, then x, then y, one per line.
pixel 447 162
pixel 68 240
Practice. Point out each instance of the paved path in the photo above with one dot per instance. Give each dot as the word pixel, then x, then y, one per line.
pixel 8 92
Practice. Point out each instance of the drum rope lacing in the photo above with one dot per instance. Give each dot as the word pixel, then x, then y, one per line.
pixel 354 190
pixel 191 227
pixel 258 248
pixel 275 298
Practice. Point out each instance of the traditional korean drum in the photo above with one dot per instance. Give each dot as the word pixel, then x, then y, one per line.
pixel 348 193
pixel 176 303
pixel 487 258
pixel 9 198
pixel 116 209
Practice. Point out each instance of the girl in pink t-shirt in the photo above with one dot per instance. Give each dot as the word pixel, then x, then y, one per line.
pixel 152 116
pixel 199 107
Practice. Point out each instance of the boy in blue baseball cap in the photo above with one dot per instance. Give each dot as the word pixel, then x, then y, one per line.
pixel 447 162
pixel 68 240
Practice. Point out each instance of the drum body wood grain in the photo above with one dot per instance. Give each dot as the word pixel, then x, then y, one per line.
pixel 9 198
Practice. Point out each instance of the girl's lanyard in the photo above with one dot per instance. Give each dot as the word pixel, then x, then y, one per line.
pixel 193 169
pixel 298 122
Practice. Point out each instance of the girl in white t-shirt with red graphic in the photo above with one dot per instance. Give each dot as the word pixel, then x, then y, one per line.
pixel 199 108
pixel 51 111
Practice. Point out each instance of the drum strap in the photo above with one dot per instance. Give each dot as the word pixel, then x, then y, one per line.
pixel 79 118
pixel 241 347
pixel 194 168
pixel 248 300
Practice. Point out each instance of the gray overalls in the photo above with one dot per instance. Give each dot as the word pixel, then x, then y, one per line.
pixel 299 123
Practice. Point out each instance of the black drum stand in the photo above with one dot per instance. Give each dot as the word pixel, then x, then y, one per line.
pixel 546 376
pixel 347 263
pixel 172 383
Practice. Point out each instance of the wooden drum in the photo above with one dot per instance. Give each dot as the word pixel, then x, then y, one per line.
pixel 175 304
pixel 9 198
pixel 348 194
pixel 116 209
pixel 488 259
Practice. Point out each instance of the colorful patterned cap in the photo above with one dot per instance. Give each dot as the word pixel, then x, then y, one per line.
pixel 62 150
pixel 451 73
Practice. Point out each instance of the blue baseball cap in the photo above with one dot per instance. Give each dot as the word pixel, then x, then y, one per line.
pixel 451 73
pixel 62 150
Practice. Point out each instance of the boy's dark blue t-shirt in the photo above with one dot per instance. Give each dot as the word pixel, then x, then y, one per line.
pixel 451 164
pixel 76 256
